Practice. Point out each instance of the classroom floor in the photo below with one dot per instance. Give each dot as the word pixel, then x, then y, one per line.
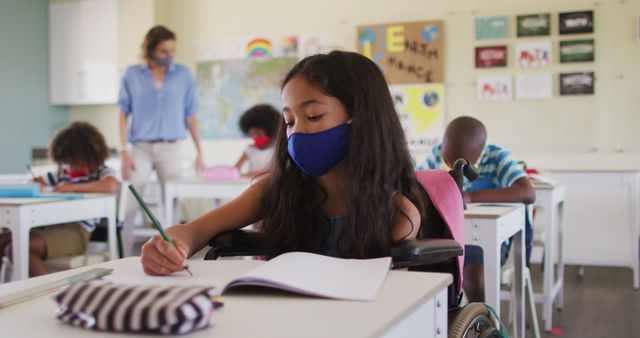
pixel 601 303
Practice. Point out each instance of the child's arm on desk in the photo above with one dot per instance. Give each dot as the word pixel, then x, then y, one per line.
pixel 241 161
pixel 159 258
pixel 108 184
pixel 521 191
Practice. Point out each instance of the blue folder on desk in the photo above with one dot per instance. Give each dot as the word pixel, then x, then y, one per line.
pixel 31 191
pixel 65 196
pixel 19 190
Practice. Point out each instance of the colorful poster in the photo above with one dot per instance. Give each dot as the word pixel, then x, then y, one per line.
pixel 492 56
pixel 405 52
pixel 576 83
pixel 492 27
pixel 246 47
pixel 312 44
pixel 421 111
pixel 533 86
pixel 226 88
pixel 533 54
pixel 577 51
pixel 494 88
pixel 575 22
pixel 534 25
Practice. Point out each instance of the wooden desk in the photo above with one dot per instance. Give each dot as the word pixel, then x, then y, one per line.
pixel 410 304
pixel 197 187
pixel 487 226
pixel 20 215
pixel 550 199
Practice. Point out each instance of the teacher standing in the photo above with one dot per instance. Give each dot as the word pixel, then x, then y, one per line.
pixel 157 103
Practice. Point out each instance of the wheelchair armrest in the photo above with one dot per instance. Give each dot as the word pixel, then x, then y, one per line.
pixel 235 243
pixel 423 252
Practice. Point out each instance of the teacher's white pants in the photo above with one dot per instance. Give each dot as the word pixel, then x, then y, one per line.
pixel 163 157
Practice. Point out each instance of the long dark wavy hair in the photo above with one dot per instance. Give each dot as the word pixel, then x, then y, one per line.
pixel 378 166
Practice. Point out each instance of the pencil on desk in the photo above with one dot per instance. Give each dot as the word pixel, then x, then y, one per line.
pixel 155 221
pixel 31 172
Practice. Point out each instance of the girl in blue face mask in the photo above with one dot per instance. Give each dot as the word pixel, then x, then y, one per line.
pixel 342 182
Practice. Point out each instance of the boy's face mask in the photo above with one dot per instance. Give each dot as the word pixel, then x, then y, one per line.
pixel 77 172
pixel 317 153
pixel 261 141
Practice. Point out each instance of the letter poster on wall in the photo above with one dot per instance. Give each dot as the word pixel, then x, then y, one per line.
pixel 406 52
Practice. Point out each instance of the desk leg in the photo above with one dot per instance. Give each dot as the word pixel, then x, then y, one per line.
pixel 169 200
pixel 549 267
pixel 560 277
pixel 490 244
pixel 112 237
pixel 20 247
pixel 519 256
pixel 635 227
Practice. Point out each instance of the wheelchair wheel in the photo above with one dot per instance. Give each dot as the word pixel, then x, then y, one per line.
pixel 473 321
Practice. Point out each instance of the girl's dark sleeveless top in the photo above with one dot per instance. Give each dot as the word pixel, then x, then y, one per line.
pixel 338 243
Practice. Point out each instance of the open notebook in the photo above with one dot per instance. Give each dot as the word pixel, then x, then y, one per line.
pixel 319 276
pixel 300 272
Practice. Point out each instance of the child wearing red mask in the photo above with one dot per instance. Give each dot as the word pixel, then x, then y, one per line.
pixel 260 123
pixel 80 152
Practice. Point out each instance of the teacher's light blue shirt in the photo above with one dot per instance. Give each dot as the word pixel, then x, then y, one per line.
pixel 157 115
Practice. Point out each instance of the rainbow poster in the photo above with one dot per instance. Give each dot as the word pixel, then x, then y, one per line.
pixel 259 47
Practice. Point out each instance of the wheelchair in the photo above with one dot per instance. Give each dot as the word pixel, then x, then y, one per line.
pixel 441 254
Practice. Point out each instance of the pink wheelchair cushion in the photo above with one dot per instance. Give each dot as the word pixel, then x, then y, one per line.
pixel 445 196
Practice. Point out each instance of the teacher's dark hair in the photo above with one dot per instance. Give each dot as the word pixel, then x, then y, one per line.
pixel 154 37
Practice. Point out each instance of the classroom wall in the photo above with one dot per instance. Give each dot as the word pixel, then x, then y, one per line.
pixel 27 118
pixel 602 124
pixel 135 17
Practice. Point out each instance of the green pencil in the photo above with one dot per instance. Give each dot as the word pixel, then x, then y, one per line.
pixel 155 221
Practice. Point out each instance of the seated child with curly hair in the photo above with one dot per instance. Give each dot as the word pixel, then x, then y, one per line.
pixel 80 152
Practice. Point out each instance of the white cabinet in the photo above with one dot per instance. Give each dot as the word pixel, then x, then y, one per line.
pixel 83 52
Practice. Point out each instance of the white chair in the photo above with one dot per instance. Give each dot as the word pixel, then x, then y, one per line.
pixel 508 281
pixel 5 270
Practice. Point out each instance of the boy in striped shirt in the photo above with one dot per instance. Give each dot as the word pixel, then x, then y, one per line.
pixel 501 180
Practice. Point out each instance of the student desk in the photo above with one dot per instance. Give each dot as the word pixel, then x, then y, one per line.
pixel 488 225
pixel 20 215
pixel 410 304
pixel 551 198
pixel 602 225
pixel 198 187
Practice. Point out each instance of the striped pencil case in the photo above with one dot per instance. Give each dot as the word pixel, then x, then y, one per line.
pixel 104 306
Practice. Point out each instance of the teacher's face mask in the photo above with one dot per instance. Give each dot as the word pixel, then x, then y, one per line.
pixel 317 153
pixel 163 61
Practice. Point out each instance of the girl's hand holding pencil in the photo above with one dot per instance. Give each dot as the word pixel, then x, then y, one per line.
pixel 162 254
pixel 161 258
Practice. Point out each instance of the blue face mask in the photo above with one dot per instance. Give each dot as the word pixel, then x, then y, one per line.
pixel 317 153
pixel 165 61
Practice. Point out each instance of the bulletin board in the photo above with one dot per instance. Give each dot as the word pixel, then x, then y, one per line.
pixel 410 52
